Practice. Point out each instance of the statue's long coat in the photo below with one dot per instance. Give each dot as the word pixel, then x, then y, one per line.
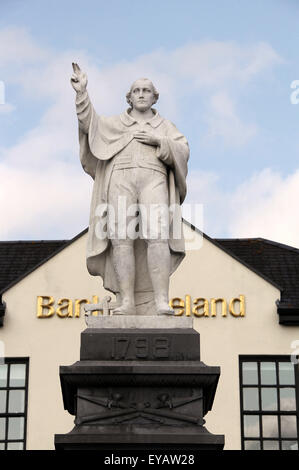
pixel 106 137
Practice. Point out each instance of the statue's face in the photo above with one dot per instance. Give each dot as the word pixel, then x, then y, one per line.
pixel 142 95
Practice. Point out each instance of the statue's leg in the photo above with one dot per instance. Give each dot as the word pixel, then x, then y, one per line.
pixel 120 197
pixel 124 266
pixel 158 259
pixel 154 213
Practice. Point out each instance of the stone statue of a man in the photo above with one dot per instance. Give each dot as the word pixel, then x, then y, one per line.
pixel 137 160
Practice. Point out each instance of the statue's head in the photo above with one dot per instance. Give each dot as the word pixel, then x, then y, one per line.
pixel 142 95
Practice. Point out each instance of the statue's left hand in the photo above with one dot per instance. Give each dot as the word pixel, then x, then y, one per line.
pixel 147 138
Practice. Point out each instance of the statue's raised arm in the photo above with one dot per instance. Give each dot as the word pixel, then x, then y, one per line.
pixel 78 79
pixel 83 105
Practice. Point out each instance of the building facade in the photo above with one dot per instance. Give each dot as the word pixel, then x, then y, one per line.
pixel 242 294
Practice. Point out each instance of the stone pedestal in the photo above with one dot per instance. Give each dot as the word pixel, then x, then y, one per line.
pixel 139 385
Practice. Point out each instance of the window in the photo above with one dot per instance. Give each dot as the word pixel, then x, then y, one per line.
pixel 13 403
pixel 268 397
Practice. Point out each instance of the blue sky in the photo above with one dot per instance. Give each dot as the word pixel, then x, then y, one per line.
pixel 223 69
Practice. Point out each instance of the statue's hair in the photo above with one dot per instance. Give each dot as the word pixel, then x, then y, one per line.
pixel 156 94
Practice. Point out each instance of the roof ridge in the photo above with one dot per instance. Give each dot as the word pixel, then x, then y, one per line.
pixel 34 241
pixel 238 238
pixel 40 263
pixel 231 253
pixel 266 240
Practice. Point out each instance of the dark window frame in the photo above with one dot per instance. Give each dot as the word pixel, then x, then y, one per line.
pixel 267 358
pixel 10 361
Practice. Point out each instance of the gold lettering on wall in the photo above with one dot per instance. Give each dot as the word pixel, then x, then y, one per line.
pixel 65 309
pixel 188 305
pixel 177 303
pixel 200 307
pixel 241 301
pixel 201 303
pixel 214 303
pixel 45 302
pixel 78 303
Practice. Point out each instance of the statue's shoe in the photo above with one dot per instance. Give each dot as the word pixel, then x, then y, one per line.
pixel 124 310
pixel 165 311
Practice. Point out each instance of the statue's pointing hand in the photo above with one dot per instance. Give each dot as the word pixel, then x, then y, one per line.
pixel 78 79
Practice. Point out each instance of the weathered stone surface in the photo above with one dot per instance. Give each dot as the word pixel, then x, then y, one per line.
pixel 135 321
pixel 117 344
pixel 141 159
pixel 152 393
pixel 140 438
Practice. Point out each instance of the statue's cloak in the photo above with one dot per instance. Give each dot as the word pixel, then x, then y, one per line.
pixel 106 137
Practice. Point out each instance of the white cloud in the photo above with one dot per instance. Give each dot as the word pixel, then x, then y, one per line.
pixel 49 204
pixel 204 188
pixel 265 205
pixel 214 64
pixel 44 192
pixel 6 108
pixel 17 47
pixel 223 121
